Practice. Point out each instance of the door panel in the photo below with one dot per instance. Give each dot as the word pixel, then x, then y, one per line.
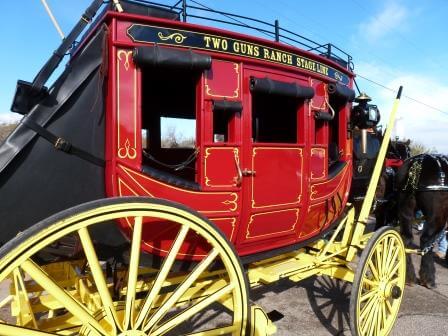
pixel 277 180
pixel 272 171
pixel 220 167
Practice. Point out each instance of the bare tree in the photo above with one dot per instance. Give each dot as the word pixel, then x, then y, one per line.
pixel 172 139
pixel 419 148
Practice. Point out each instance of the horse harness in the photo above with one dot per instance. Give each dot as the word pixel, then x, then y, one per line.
pixel 413 181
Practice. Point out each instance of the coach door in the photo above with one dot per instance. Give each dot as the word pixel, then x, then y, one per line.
pixel 273 157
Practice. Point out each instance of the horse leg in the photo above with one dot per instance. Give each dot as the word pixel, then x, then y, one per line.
pixel 406 215
pixel 435 223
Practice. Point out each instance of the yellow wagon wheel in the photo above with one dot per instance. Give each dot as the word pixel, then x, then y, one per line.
pixel 46 299
pixel 378 284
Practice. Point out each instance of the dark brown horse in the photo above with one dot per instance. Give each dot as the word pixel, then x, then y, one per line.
pixel 422 183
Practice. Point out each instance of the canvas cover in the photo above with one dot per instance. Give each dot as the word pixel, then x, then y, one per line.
pixel 37 180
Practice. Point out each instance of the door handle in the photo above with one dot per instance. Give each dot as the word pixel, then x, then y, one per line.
pixel 240 173
pixel 247 172
pixel 239 177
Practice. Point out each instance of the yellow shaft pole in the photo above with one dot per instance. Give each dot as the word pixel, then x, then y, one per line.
pixel 368 200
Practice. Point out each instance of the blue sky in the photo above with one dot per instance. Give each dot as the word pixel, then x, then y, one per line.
pixel 397 42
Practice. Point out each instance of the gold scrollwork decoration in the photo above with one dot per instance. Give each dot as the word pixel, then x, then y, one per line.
pixel 126 54
pixel 127 151
pixel 176 37
pixel 313 192
pixel 232 202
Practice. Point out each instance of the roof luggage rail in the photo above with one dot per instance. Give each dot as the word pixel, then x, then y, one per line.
pixel 273 30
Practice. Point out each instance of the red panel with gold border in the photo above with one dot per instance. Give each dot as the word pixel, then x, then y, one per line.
pixel 220 167
pixel 261 224
pixel 318 163
pixel 222 81
pixel 127 109
pixel 278 176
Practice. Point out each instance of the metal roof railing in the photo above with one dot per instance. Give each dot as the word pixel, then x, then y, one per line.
pixel 193 9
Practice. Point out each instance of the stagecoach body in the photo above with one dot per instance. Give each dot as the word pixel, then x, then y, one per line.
pixel 261 174
pixel 267 165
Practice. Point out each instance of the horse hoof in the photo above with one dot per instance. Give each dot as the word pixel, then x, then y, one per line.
pixel 429 285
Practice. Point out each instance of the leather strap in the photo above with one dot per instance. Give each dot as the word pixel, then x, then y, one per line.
pixel 61 144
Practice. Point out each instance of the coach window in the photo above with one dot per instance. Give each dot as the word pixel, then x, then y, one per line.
pixel 275 107
pixel 225 114
pixel 169 89
pixel 169 120
pixel 274 119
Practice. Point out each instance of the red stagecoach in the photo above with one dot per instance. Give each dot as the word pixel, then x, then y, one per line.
pixel 265 156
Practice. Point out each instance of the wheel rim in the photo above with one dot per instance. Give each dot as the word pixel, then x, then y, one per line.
pixel 156 302
pixel 381 285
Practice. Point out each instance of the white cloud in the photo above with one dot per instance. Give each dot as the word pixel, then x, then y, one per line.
pixel 9 118
pixel 390 19
pixel 416 121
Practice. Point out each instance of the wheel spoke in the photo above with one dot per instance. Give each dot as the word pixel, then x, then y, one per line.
pixel 391 262
pixel 370 283
pixel 374 270
pixel 161 276
pixel 379 318
pixel 192 277
pixel 368 295
pixel 98 277
pixel 191 311
pixel 61 295
pixel 389 307
pixel 384 255
pixel 10 330
pixel 26 314
pixel 395 269
pixel 367 308
pixel 378 259
pixel 383 309
pixel 390 253
pixel 372 321
pixel 133 272
pixel 368 317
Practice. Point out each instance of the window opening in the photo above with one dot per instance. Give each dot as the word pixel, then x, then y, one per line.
pixel 221 126
pixel 177 132
pixel 169 122
pixel 274 118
